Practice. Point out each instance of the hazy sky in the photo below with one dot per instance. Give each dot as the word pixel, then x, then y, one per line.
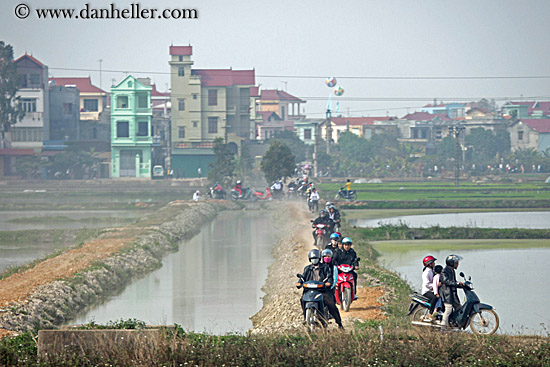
pixel 320 38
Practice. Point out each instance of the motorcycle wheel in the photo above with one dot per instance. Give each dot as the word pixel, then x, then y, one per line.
pixel 485 322
pixel 353 196
pixel 310 320
pixel 337 196
pixel 420 313
pixel 319 243
pixel 346 299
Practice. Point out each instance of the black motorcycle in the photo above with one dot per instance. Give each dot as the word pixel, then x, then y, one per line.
pixel 317 314
pixel 216 194
pixel 246 194
pixel 481 317
pixel 345 194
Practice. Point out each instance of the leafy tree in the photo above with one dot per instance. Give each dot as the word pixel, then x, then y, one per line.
pixel 73 161
pixel 488 145
pixel 29 166
pixel 10 109
pixel 245 162
pixel 446 149
pixel 278 162
pixel 297 146
pixel 354 147
pixel 223 168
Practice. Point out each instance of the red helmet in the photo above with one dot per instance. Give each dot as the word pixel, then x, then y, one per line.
pixel 428 260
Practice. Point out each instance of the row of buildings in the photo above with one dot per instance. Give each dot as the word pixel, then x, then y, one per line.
pixel 135 127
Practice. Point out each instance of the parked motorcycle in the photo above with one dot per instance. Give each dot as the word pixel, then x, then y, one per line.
pixel 345 287
pixel 260 195
pixel 216 194
pixel 316 312
pixel 481 317
pixel 321 236
pixel 345 194
pixel 246 194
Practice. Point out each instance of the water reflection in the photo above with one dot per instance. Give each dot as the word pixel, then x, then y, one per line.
pixel 211 284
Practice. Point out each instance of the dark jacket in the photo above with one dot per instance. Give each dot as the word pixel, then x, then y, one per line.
pixel 334 250
pixel 325 220
pixel 325 271
pixel 346 257
pixel 448 290
pixel 335 215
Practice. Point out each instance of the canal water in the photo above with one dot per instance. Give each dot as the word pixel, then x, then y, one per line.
pixel 509 275
pixel 212 284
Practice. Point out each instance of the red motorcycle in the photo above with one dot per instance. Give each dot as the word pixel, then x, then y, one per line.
pixel 260 195
pixel 345 285
pixel 321 236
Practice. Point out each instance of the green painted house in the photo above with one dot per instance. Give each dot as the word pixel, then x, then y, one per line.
pixel 131 137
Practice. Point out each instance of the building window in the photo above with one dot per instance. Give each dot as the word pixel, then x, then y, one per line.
pixel 520 135
pixel 67 108
pixel 181 71
pixel 283 111
pixel 130 84
pixel 122 102
pixel 195 123
pixel 180 58
pixel 378 131
pixel 29 104
pixel 195 96
pixel 307 134
pixel 35 79
pixel 368 134
pixel 143 128
pixel 123 129
pixel 212 125
pixel 181 104
pixel 212 97
pixel 90 105
pixel 142 100
pixel 181 132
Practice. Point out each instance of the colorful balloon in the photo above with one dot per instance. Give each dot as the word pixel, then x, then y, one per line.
pixel 331 82
pixel 338 91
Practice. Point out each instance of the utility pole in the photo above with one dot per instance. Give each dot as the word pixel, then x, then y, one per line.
pixel 329 129
pixel 100 61
pixel 317 134
pixel 455 130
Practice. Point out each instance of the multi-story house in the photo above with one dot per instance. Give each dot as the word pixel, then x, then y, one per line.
pixel 131 138
pixel 30 132
pixel 530 134
pixel 64 114
pixel 361 126
pixel 206 104
pixel 284 104
pixel 527 109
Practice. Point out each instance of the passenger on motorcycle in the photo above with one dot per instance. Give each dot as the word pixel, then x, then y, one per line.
pixel 334 214
pixel 348 256
pixel 324 219
pixel 427 281
pixel 449 288
pixel 333 244
pixel 239 187
pixel 319 271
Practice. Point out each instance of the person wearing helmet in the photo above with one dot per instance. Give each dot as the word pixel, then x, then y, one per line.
pixel 239 187
pixel 328 204
pixel 333 244
pixel 427 281
pixel 449 288
pixel 348 256
pixel 334 214
pixel 321 271
pixel 323 218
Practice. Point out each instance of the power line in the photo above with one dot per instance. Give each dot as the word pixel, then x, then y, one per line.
pixel 363 77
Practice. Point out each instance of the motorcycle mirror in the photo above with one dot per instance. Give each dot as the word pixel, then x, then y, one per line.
pixel 299 275
pixel 461 274
pixel 469 278
pixel 311 220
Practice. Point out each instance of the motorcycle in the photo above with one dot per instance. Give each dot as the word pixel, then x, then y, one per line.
pixel 345 194
pixel 481 317
pixel 345 287
pixel 316 312
pixel 216 194
pixel 291 193
pixel 260 195
pixel 321 236
pixel 245 195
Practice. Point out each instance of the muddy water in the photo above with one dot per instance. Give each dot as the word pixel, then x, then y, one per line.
pixel 213 283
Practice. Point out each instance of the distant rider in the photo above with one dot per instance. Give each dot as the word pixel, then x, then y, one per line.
pixel 323 218
pixel 334 214
pixel 449 287
pixel 239 188
pixel 320 272
pixel 348 256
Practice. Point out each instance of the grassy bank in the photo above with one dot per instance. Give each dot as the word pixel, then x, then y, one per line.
pixel 364 348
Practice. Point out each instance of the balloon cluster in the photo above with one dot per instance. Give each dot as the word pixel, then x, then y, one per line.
pixel 331 82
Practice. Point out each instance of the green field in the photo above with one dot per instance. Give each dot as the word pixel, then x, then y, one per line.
pixel 433 245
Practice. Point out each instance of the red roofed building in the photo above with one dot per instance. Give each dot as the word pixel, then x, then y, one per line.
pixel 530 134
pixel 362 126
pixel 207 104
pixel 93 100
pixel 284 104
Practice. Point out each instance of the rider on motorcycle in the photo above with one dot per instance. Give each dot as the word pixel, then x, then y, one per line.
pixel 333 244
pixel 348 256
pixel 239 187
pixel 449 286
pixel 334 214
pixel 324 219
pixel 427 281
pixel 319 272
